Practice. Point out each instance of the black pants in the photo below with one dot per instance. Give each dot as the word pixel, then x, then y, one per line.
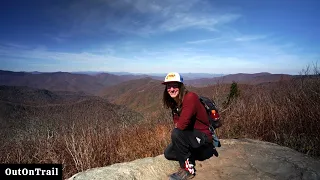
pixel 189 144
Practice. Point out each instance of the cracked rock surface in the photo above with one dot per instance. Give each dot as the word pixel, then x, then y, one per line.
pixel 238 159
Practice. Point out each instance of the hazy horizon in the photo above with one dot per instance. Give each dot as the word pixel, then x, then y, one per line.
pixel 138 73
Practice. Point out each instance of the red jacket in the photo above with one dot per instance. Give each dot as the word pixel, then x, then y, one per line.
pixel 193 115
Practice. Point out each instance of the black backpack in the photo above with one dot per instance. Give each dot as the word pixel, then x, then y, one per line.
pixel 213 112
pixel 213 116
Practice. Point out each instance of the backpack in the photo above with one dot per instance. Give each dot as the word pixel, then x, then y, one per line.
pixel 212 111
pixel 213 116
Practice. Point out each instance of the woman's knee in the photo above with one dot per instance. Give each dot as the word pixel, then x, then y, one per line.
pixel 176 134
pixel 169 153
pixel 166 152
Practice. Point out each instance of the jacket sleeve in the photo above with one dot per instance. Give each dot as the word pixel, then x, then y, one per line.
pixel 188 110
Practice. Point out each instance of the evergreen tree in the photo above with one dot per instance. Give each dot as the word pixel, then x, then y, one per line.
pixel 234 92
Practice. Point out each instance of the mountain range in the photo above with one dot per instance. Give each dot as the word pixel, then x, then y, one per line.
pixel 94 84
pixel 26 109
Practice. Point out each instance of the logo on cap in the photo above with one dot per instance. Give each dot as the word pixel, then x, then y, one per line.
pixel 170 76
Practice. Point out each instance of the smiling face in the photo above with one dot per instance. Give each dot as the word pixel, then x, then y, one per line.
pixel 173 89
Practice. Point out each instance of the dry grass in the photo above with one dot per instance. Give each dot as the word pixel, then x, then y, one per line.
pixel 286 113
pixel 80 148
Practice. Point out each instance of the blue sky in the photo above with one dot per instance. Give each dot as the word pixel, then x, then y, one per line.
pixel 145 36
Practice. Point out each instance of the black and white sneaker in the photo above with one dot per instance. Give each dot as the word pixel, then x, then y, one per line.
pixel 182 174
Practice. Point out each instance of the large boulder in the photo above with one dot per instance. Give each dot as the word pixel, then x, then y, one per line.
pixel 147 168
pixel 238 159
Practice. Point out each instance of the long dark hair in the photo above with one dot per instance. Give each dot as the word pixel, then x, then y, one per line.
pixel 169 102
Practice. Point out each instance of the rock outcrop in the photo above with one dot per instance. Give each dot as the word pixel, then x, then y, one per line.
pixel 238 159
